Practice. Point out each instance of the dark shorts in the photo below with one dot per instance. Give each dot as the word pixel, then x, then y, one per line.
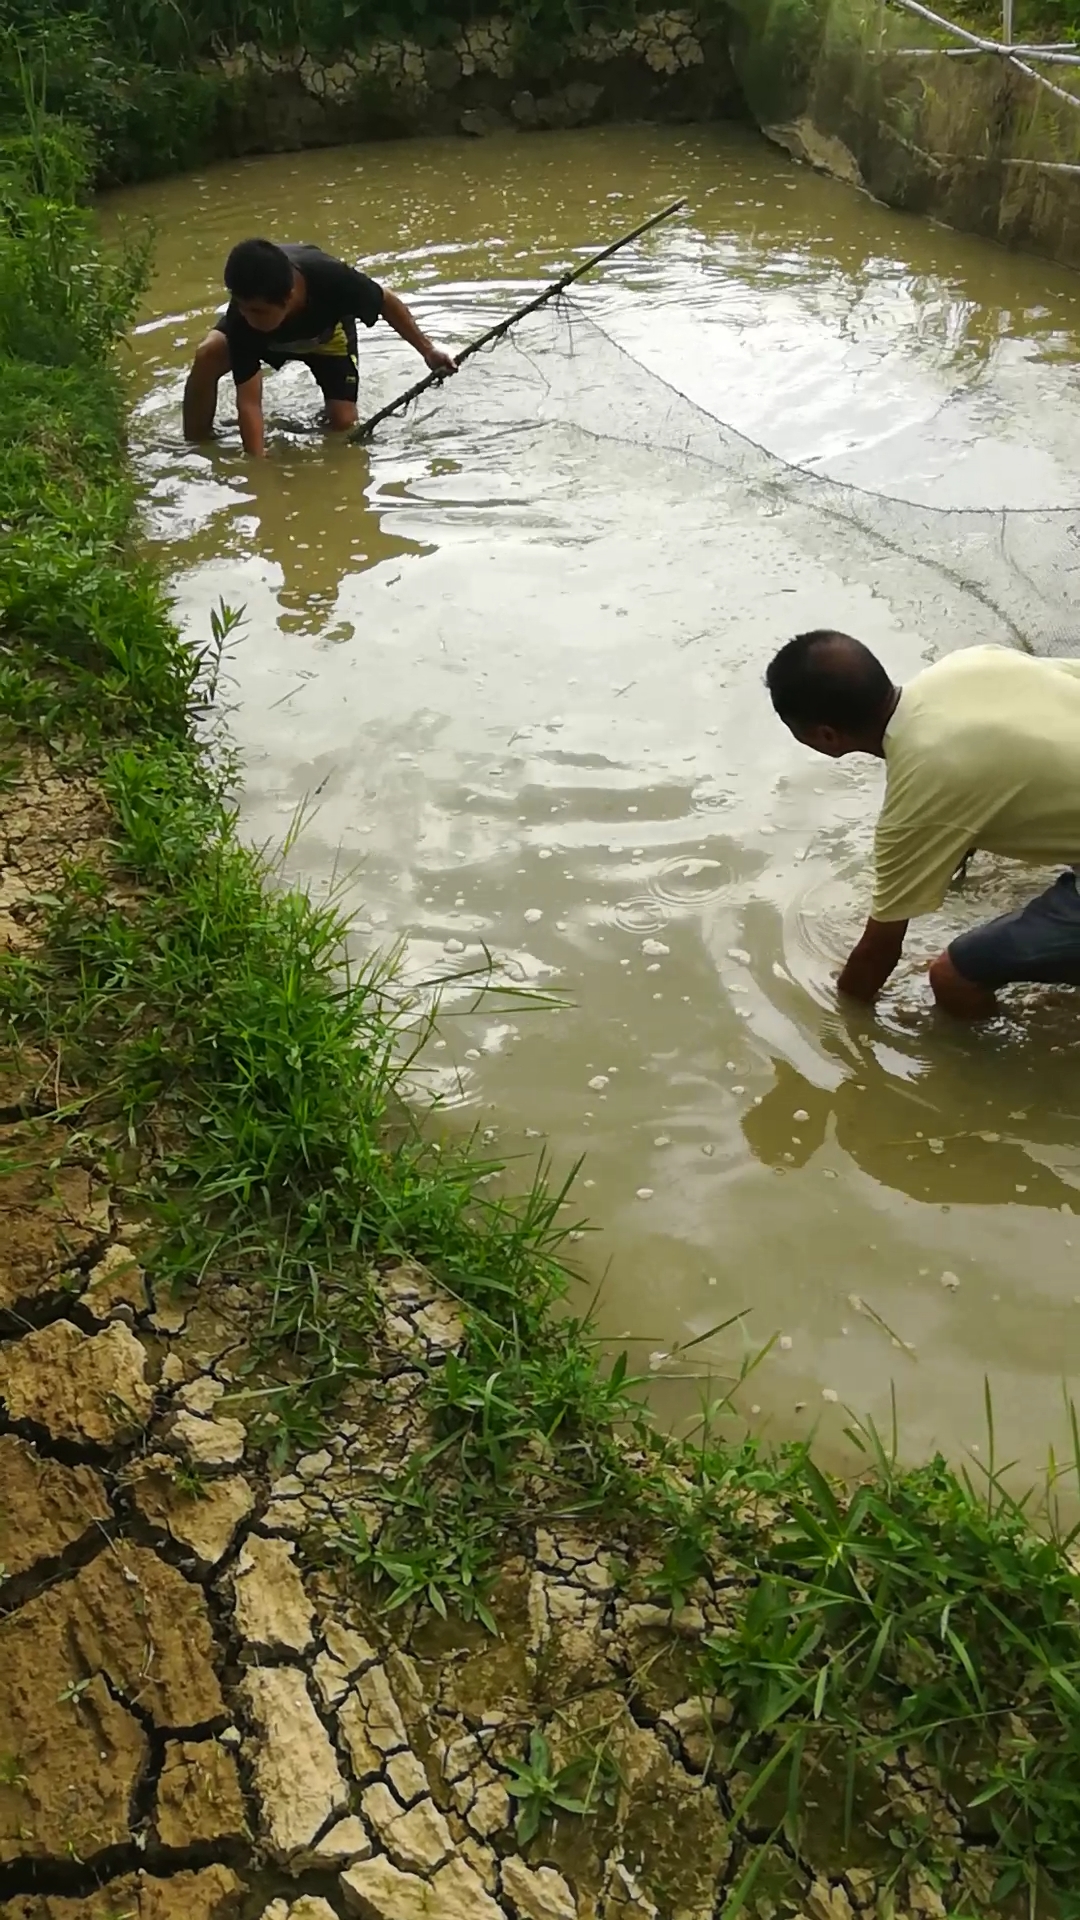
pixel 335 366
pixel 1039 942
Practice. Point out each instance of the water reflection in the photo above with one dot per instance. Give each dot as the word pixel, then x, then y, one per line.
pixel 518 671
pixel 314 541
pixel 307 518
pixel 891 1129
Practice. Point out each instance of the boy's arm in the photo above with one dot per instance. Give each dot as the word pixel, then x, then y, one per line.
pixel 397 315
pixel 250 415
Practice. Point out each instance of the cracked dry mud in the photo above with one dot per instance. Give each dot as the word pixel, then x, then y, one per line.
pixel 199 1720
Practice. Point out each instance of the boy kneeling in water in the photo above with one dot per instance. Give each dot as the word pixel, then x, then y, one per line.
pixel 292 303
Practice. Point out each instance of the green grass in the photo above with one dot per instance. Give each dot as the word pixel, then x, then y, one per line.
pixel 912 1614
pixel 139 75
pixel 249 1087
pixel 1036 22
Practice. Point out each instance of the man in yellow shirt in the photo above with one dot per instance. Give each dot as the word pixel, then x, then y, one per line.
pixel 982 750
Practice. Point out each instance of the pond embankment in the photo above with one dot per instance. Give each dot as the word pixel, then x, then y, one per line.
pixel 342 1574
pixel 972 141
pixel 962 140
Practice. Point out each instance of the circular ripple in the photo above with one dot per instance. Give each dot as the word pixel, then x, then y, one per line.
pixel 689 879
pixel 820 926
pixel 643 914
pixel 709 800
pixel 824 934
pixel 825 914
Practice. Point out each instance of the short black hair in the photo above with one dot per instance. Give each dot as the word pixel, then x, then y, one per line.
pixel 826 679
pixel 257 270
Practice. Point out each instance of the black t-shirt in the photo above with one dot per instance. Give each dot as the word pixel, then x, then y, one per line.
pixel 335 292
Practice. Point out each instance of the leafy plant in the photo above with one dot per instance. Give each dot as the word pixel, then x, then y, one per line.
pixel 73 1690
pixel 543 1791
pixel 913 1612
pixel 190 1479
pixel 12 1772
pixel 685 1561
pixel 447 1562
pixel 62 298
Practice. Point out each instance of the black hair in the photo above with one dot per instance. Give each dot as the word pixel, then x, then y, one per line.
pixel 826 679
pixel 257 270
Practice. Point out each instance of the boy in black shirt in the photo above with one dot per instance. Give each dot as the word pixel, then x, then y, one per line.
pixel 292 303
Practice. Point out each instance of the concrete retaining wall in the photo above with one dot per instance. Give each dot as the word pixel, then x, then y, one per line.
pixel 958 140
pixel 948 138
pixel 665 66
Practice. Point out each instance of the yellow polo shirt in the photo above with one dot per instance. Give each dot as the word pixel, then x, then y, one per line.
pixel 982 751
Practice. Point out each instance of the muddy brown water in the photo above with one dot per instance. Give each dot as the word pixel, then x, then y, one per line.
pixel 512 673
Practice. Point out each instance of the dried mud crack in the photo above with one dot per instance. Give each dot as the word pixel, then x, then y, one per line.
pixel 197 1718
pixel 203 1716
pixel 341 1572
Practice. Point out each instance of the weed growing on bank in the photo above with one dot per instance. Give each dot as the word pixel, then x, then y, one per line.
pixel 249 1088
pixel 152 90
pixel 142 75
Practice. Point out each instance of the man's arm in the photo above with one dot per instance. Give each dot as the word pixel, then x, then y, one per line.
pixel 397 315
pixel 250 415
pixel 871 962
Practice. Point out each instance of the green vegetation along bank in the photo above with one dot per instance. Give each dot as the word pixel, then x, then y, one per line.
pixel 163 88
pixel 860 91
pixel 972 141
pixel 341 1572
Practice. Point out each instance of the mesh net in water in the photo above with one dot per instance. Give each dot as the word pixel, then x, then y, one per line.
pixel 1016 572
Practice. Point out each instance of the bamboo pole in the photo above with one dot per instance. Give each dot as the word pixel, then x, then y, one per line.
pixel 1052 56
pixel 367 427
pixel 987 46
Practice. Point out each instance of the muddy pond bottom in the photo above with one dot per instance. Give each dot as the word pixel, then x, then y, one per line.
pixel 508 663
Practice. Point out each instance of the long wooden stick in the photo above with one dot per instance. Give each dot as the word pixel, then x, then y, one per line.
pixel 367 428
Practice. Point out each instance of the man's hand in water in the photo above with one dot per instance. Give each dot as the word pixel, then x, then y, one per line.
pixel 871 962
pixel 439 361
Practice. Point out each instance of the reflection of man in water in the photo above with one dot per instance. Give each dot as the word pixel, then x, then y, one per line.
pixel 292 303
pixel 887 1127
pixel 980 750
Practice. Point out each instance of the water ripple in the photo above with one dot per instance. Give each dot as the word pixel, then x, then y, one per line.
pixel 643 914
pixel 688 880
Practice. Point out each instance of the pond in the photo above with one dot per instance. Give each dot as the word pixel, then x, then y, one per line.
pixel 507 663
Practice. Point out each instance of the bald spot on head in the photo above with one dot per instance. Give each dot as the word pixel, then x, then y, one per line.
pixel 829 680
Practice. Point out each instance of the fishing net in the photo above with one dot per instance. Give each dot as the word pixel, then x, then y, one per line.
pixel 1009 574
